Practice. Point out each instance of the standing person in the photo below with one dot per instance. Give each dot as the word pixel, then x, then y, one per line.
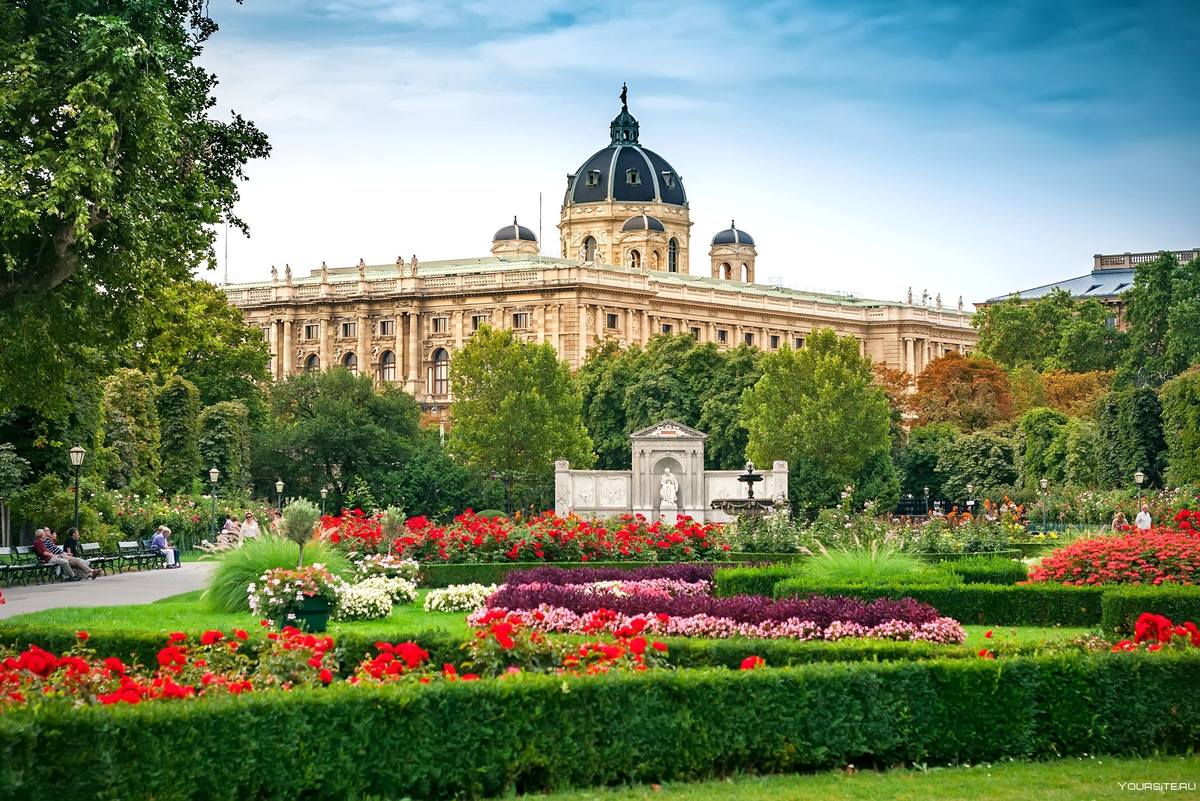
pixel 1142 521
pixel 1119 522
pixel 250 527
pixel 159 542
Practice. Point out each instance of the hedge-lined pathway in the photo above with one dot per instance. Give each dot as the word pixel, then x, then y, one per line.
pixel 121 589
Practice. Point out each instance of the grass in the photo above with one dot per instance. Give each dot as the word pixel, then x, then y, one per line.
pixel 238 568
pixel 1079 778
pixel 874 562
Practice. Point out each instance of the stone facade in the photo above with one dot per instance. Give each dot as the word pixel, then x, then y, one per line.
pixel 402 324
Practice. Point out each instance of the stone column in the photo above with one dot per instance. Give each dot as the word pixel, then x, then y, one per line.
pixel 414 353
pixel 539 322
pixel 581 349
pixel 627 334
pixel 363 350
pixel 327 335
pixel 908 356
pixel 645 327
pixel 286 356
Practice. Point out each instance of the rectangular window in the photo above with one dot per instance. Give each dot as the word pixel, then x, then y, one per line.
pixel 441 325
pixel 633 178
pixel 749 338
pixel 799 343
pixel 722 336
pixel 593 177
pixel 521 320
pixel 774 342
pixel 1111 322
pixel 610 321
pixel 387 328
pixel 696 334
pixel 478 320
pixel 667 328
pixel 311 331
pixel 669 179
pixel 349 329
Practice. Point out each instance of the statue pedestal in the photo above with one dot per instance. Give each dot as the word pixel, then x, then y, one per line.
pixel 668 513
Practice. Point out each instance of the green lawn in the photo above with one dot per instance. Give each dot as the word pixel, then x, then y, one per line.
pixel 1088 778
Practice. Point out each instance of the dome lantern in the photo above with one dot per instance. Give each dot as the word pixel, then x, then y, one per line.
pixel 514 239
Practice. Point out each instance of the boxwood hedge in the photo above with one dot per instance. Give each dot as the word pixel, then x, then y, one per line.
pixel 443 575
pixel 1123 604
pixel 535 733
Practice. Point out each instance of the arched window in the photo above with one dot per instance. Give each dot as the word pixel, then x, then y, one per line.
pixel 635 260
pixel 725 271
pixel 745 271
pixel 673 256
pixel 350 362
pixel 654 263
pixel 387 366
pixel 312 363
pixel 441 372
pixel 589 249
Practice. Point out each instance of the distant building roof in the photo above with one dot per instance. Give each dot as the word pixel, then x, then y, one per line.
pixel 1110 276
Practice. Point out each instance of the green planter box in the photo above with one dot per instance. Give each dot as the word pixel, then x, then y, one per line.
pixel 312 616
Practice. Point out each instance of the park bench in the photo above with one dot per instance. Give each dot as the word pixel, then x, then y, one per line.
pixel 155 556
pixel 98 559
pixel 14 568
pixel 131 553
pixel 28 560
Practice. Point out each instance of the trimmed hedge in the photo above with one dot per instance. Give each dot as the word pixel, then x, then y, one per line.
pixel 533 733
pixel 436 576
pixel 977 604
pixel 1123 604
pixel 989 570
pixel 731 581
pixel 1011 553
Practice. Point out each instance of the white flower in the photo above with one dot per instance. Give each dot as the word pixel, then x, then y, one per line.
pixel 458 598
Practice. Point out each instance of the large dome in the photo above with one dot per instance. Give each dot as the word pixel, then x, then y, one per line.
pixel 625 172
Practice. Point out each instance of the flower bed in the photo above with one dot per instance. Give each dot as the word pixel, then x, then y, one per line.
pixel 1154 556
pixel 682 571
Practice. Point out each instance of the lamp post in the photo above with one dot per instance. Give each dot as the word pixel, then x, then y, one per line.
pixel 77 453
pixel 1138 478
pixel 927 501
pixel 970 498
pixel 324 495
pixel 279 492
pixel 1045 483
pixel 214 475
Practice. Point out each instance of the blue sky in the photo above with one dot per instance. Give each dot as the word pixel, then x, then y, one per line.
pixel 965 148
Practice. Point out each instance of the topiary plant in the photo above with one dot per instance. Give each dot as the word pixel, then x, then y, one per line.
pixel 300 519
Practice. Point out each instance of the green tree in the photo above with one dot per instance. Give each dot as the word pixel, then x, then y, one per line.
pixel 1181 426
pixel 112 176
pixel 721 408
pixel 1077 449
pixel 919 460
pixel 603 380
pixel 986 459
pixel 1131 437
pixel 1040 429
pixel 516 409
pixel 225 443
pixel 131 427
pixel 1163 311
pixel 328 428
pixel 818 409
pixel 431 483
pixel 179 433
pixel 1050 333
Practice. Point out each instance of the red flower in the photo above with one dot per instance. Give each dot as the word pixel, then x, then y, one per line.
pixel 115 665
pixel 82 635
pixel 177 636
pixel 326 676
pixel 986 654
pixel 240 634
pixel 988 635
pixel 661 647
pixel 470 677
pixel 210 637
pixel 638 645
pixel 753 662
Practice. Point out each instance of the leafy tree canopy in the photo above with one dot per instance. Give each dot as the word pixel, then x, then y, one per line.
pixel 516 409
pixel 972 393
pixel 112 174
pixel 1163 311
pixel 1056 332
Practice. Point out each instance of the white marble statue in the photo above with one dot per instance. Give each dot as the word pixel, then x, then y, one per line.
pixel 669 488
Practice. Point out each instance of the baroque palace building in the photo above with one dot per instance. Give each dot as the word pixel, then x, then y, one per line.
pixel 624 274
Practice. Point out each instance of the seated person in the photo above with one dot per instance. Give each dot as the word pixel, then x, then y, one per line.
pixel 51 553
pixel 71 543
pixel 159 543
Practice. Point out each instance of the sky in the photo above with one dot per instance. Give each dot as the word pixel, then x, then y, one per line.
pixel 969 149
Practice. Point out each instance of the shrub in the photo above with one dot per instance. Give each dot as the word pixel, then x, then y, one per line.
pixel 988 570
pixel 1154 556
pixel 237 569
pixel 540 732
pixel 978 604
pixel 861 563
pixel 1123 605
pixel 760 580
pixel 458 598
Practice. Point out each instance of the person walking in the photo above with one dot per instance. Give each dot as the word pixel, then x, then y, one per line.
pixel 250 526
pixel 1142 521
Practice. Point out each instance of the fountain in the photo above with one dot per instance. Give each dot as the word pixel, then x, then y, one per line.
pixel 748 506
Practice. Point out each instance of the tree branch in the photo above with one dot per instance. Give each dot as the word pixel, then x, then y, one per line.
pixel 55 264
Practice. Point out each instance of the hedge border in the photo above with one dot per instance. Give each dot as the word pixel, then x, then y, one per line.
pixel 1124 603
pixel 977 604
pixel 535 733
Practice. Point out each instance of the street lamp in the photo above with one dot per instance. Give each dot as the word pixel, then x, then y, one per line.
pixel 927 501
pixel 77 453
pixel 279 492
pixel 970 499
pixel 1045 483
pixel 214 475
pixel 324 495
pixel 1138 478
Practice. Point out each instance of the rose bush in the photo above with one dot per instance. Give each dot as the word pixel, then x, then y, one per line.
pixel 1153 556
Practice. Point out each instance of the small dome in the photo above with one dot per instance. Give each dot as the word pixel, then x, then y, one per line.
pixel 514 232
pixel 732 236
pixel 643 222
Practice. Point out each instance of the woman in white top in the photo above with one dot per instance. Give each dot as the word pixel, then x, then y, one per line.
pixel 250 527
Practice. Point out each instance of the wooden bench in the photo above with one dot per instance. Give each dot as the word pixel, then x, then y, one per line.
pixel 98 559
pixel 130 553
pixel 154 556
pixel 14 568
pixel 28 559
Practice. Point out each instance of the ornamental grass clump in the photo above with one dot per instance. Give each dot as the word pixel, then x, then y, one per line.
pixel 238 568
pixel 299 524
pixel 879 561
